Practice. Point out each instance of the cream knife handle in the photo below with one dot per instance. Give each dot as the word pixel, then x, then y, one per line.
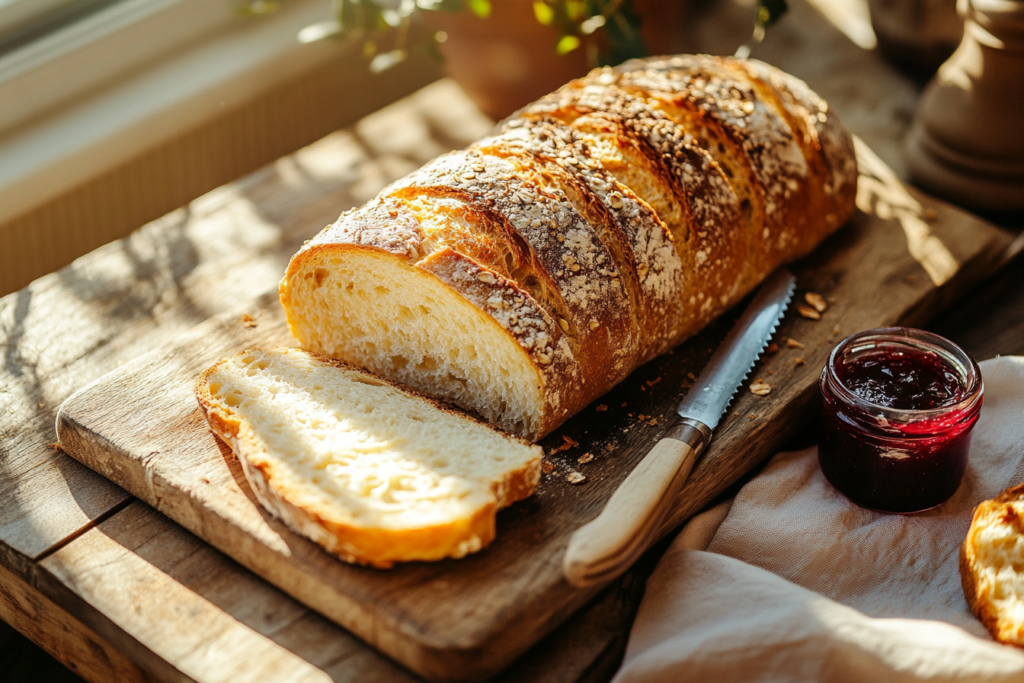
pixel 609 544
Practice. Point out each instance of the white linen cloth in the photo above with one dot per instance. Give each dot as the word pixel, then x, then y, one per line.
pixel 799 584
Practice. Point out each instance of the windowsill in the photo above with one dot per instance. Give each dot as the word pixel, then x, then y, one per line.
pixel 226 103
pixel 110 126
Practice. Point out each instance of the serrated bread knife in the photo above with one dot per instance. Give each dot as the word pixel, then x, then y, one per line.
pixel 610 543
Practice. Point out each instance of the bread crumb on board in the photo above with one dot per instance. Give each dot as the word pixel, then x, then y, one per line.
pixel 601 408
pixel 585 458
pixel 760 388
pixel 808 312
pixel 816 301
pixel 793 344
pixel 248 320
pixel 567 443
pixel 575 478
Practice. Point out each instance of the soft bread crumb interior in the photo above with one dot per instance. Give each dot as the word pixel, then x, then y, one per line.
pixel 377 312
pixel 999 549
pixel 367 454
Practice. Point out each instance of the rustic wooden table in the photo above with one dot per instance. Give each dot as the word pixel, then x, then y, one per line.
pixel 119 593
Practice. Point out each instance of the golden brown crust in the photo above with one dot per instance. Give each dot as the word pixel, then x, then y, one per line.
pixel 374 546
pixel 824 133
pixel 638 240
pixel 580 282
pixel 734 165
pixel 1007 509
pixel 730 120
pixel 709 232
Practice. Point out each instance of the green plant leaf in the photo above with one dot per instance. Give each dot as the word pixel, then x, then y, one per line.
pixel 770 11
pixel 322 30
pixel 386 60
pixel 622 29
pixel 592 24
pixel 567 44
pixel 481 8
pixel 258 8
pixel 542 10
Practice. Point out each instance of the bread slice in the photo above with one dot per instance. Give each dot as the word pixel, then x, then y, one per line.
pixel 371 471
pixel 992 566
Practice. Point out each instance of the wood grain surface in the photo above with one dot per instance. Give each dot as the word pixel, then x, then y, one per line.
pixel 900 260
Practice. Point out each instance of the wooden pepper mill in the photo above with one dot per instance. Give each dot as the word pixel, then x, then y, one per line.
pixel 967 139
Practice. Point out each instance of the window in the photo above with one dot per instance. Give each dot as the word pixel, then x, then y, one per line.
pixel 113 112
pixel 52 51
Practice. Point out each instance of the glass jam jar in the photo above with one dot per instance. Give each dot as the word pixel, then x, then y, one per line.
pixel 899 405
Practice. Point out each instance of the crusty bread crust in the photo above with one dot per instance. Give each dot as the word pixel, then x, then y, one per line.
pixel 627 209
pixel 376 546
pixel 527 326
pixel 1006 509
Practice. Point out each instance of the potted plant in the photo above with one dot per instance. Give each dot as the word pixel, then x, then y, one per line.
pixel 505 53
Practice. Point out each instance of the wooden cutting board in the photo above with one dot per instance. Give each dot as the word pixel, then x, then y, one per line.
pixel 902 258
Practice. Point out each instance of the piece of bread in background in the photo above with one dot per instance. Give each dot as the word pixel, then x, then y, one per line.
pixel 992 566
pixel 371 471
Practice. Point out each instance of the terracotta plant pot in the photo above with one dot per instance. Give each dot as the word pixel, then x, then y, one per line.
pixel 508 59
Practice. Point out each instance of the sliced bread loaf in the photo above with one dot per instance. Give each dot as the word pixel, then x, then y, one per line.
pixel 992 566
pixel 597 228
pixel 371 471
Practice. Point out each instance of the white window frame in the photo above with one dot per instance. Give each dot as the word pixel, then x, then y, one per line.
pixel 16 15
pixel 99 48
pixel 91 95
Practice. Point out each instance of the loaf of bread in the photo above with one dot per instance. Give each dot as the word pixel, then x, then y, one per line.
pixel 594 230
pixel 373 472
pixel 992 566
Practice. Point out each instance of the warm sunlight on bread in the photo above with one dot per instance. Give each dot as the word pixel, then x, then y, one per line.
pixel 372 472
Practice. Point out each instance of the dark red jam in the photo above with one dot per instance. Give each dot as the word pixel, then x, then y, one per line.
pixel 899 407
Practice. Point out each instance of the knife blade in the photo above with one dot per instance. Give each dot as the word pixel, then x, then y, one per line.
pixel 606 546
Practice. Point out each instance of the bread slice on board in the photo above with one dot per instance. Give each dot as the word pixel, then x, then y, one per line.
pixel 371 471
pixel 992 566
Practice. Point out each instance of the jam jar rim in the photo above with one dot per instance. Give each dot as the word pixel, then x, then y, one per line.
pixel 973 391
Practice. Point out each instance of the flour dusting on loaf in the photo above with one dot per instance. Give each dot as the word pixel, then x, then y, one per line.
pixel 595 229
